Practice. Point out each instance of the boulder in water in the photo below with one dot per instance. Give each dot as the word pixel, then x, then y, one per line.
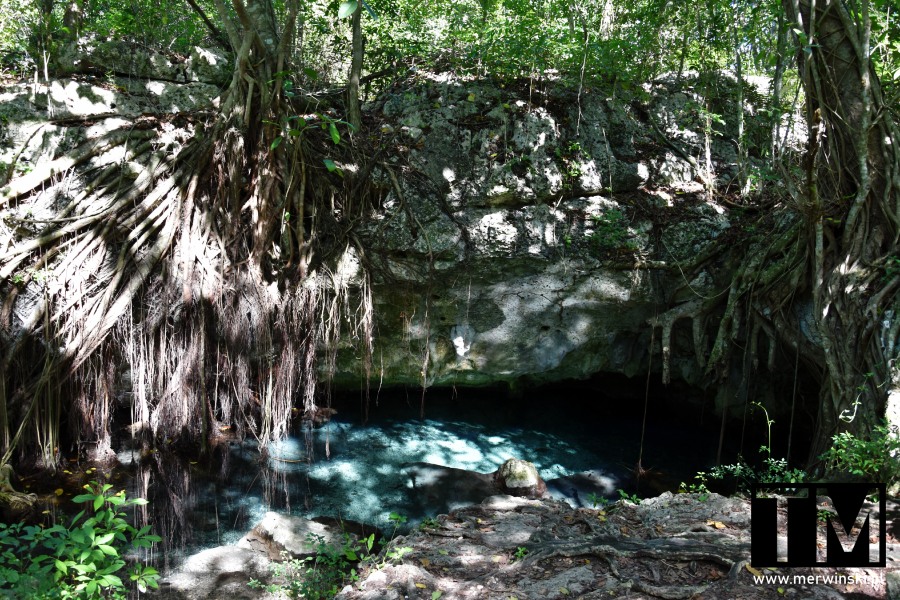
pixel 520 478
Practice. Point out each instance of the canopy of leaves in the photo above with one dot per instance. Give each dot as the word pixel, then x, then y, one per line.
pixel 614 40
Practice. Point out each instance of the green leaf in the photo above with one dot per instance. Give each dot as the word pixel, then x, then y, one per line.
pixel 108 550
pixel 98 502
pixel 112 581
pixel 275 143
pixel 369 10
pixel 335 134
pixel 329 164
pixel 139 501
pixel 436 594
pixel 347 8
pixel 84 568
pixel 83 498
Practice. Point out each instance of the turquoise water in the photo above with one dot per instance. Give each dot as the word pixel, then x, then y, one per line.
pixel 349 470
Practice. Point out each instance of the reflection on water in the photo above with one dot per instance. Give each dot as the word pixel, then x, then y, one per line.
pixel 356 472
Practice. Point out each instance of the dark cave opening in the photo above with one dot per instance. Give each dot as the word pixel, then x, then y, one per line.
pixel 681 425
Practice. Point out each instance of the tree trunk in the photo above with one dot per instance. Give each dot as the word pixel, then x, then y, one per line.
pixel 852 215
pixel 356 62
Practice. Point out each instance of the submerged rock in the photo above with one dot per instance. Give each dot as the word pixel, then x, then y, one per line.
pixel 435 489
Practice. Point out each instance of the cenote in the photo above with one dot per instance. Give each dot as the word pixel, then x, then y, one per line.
pixel 583 438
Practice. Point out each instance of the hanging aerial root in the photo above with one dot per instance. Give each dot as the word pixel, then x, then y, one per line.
pixel 692 309
pixel 44 171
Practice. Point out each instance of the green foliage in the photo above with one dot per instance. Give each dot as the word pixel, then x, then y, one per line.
pixel 596 500
pixel 696 488
pixel 321 575
pixel 631 498
pixel 520 553
pixel 874 460
pixel 745 476
pixel 571 157
pixel 397 519
pixel 610 232
pixel 80 561
pixel 391 552
pixel 429 523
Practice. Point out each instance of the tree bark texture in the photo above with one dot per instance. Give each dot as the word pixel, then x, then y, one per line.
pixel 851 209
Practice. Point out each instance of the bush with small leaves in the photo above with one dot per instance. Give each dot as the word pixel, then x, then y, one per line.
pixel 874 460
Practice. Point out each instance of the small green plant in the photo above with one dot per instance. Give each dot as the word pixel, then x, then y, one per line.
pixel 874 460
pixel 319 576
pixel 520 553
pixel 773 470
pixel 824 515
pixel 696 488
pixel 82 560
pixel 610 232
pixel 626 497
pixel 397 519
pixel 395 554
pixel 429 523
pixel 392 553
pixel 571 158
pixel 596 500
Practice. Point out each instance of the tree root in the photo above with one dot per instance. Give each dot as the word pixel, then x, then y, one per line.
pixel 673 548
pixel 22 185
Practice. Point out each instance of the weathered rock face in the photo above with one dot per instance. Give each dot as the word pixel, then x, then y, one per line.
pixel 530 235
pixel 39 123
pixel 533 241
pixel 132 60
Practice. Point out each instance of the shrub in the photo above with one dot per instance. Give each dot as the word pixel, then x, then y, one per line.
pixel 320 576
pixel 79 561
pixel 874 460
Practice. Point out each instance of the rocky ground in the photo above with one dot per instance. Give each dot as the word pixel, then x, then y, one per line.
pixel 511 548
pixel 673 546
